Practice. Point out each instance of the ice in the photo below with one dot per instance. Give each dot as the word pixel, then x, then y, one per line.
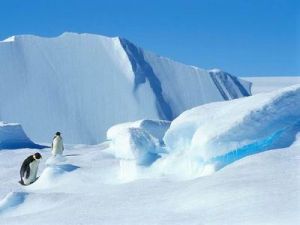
pixel 186 87
pixel 12 136
pixel 207 138
pixel 140 140
pixel 137 144
pixel 216 134
pixel 229 86
pixel 156 128
pixel 82 84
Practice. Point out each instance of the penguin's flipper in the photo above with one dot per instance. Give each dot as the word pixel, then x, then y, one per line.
pixel 27 171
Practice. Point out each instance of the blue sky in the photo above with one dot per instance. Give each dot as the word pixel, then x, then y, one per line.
pixel 243 37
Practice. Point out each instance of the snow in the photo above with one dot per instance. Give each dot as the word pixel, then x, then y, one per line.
pixel 10 39
pixel 259 189
pixel 82 84
pixel 156 128
pixel 207 138
pixel 185 87
pixel 137 144
pixel 229 86
pixel 267 84
pixel 12 136
pixel 104 184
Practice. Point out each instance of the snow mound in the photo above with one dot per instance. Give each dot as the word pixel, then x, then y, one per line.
pixel 140 141
pixel 11 200
pixel 23 204
pixel 73 83
pixel 54 174
pixel 208 137
pixel 12 136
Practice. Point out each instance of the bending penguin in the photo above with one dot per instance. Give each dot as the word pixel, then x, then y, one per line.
pixel 57 145
pixel 29 169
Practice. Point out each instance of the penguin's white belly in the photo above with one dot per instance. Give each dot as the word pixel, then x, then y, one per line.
pixel 33 173
pixel 57 148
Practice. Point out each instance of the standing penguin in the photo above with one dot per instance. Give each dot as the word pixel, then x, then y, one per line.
pixel 29 169
pixel 57 145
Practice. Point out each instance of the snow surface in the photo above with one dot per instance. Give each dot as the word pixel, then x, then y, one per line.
pixel 12 136
pixel 82 84
pixel 267 84
pixel 84 188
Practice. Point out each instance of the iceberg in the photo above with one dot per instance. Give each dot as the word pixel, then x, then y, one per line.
pixel 82 84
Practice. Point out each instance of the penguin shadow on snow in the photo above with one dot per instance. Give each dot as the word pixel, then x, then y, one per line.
pixel 59 162
pixel 67 167
pixel 12 200
pixel 71 155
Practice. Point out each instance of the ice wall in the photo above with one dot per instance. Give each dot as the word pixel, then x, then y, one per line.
pixel 82 84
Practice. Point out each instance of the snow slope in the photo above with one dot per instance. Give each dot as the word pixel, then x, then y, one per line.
pixel 84 189
pixel 82 84
pixel 12 136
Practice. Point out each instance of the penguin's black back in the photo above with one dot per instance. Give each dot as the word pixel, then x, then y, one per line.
pixel 25 168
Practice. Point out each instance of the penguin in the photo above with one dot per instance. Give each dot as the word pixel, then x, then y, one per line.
pixel 57 145
pixel 29 168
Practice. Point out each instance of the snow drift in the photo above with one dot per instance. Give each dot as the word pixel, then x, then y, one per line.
pixel 12 136
pixel 214 135
pixel 139 141
pixel 209 137
pixel 82 84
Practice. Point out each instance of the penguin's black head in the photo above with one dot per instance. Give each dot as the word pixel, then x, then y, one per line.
pixel 37 156
pixel 57 133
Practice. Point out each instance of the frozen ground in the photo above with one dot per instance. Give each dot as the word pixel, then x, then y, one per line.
pixel 85 189
pixel 265 84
